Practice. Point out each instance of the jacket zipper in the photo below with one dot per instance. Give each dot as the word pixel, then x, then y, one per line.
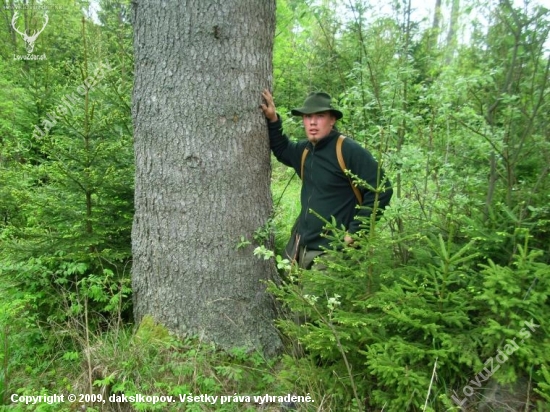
pixel 312 156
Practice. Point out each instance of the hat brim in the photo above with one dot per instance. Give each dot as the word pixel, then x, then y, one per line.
pixel 303 110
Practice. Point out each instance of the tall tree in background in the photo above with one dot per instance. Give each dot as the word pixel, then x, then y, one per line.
pixel 202 168
pixel 452 34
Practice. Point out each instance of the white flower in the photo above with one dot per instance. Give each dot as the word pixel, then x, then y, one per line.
pixel 333 302
pixel 311 299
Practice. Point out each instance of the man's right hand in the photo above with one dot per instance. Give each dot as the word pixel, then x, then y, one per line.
pixel 269 107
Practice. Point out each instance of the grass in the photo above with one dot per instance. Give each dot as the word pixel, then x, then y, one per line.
pixel 285 188
pixel 152 362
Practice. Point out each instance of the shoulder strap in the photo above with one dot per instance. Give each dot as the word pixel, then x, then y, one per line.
pixel 343 167
pixel 304 154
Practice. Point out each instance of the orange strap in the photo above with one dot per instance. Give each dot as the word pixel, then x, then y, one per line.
pixel 304 154
pixel 340 162
pixel 343 167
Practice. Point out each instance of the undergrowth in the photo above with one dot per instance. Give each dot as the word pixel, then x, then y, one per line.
pixel 121 363
pixel 367 333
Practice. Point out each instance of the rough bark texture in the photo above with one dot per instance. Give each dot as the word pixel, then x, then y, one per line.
pixel 202 168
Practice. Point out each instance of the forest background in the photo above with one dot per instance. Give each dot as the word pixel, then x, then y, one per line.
pixel 454 105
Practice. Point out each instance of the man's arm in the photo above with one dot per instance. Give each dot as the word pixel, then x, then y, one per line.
pixel 287 152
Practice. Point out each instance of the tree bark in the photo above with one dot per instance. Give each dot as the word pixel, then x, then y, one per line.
pixel 203 168
pixel 452 34
pixel 436 27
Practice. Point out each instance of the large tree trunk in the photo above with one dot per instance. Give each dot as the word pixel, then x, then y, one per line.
pixel 452 34
pixel 202 168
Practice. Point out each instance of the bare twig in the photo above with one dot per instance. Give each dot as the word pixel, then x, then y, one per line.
pixel 430 388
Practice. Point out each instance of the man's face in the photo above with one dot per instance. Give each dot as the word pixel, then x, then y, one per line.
pixel 318 125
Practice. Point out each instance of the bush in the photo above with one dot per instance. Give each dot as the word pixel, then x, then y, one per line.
pixel 376 333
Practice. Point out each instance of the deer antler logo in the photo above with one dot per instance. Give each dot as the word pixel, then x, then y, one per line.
pixel 29 40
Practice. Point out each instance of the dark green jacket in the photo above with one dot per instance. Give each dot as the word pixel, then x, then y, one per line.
pixel 325 188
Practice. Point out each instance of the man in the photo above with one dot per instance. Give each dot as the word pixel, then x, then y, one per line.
pixel 326 189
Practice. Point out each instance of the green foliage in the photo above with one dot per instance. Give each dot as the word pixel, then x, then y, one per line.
pixel 73 207
pixel 372 329
pixel 544 383
pixel 285 190
pixel 66 167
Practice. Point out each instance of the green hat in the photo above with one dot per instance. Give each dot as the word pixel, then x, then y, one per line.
pixel 317 102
